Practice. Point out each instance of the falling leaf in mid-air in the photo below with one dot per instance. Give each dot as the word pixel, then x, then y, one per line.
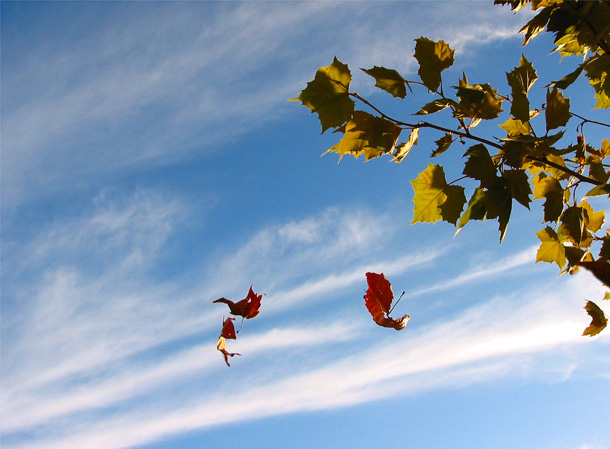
pixel 379 299
pixel 228 331
pixel 247 307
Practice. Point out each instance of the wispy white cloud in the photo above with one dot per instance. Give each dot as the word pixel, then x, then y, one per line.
pixel 86 305
pixel 134 380
pixel 487 271
pixel 470 349
pixel 188 78
pixel 90 341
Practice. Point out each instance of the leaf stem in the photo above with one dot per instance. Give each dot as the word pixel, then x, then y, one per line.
pixel 396 303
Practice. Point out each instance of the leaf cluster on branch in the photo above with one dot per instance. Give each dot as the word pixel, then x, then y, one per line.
pixel 528 163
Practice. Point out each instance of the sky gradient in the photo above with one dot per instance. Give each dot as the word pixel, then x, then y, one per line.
pixel 151 163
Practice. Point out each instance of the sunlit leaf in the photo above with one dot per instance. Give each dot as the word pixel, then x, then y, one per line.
pixel 521 79
pixel 435 199
pixel 478 101
pixel 551 248
pixel 327 95
pixel 532 28
pixel 436 105
pixel 404 148
pixel 516 127
pixel 433 58
pixel 569 79
pixel 598 319
pixel 476 209
pixel 389 80
pixel 549 188
pixel 443 144
pixel 597 170
pixel 597 70
pixel 604 151
pixel 595 219
pixel 369 135
pixel 603 189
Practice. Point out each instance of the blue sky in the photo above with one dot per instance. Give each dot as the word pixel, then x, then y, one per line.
pixel 151 163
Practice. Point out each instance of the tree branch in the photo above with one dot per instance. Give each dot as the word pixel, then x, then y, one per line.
pixel 467 135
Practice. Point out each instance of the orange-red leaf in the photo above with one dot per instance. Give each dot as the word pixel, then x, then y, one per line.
pixel 222 347
pixel 378 300
pixel 228 331
pixel 247 307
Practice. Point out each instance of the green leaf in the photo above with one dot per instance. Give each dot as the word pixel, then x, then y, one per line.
pixel 569 79
pixel 434 199
pixel 436 105
pixel 557 109
pixel 551 248
pixel 327 95
pixel 574 224
pixel 433 58
pixel 452 208
pixel 515 153
pixel 574 255
pixel 596 168
pixel 604 151
pixel 499 205
pixel 477 101
pixel 389 80
pixel 594 220
pixel 598 319
pixel 521 79
pixel 480 166
pixel 536 25
pixel 519 186
pixel 476 209
pixel 603 189
pixel 597 69
pixel 516 127
pixel 404 148
pixel 550 189
pixel 369 135
pixel 443 144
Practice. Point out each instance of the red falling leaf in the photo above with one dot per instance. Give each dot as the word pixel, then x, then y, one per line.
pixel 221 346
pixel 247 307
pixel 599 268
pixel 378 300
pixel 228 331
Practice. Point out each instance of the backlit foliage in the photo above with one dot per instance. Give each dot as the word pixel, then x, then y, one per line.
pixel 526 164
